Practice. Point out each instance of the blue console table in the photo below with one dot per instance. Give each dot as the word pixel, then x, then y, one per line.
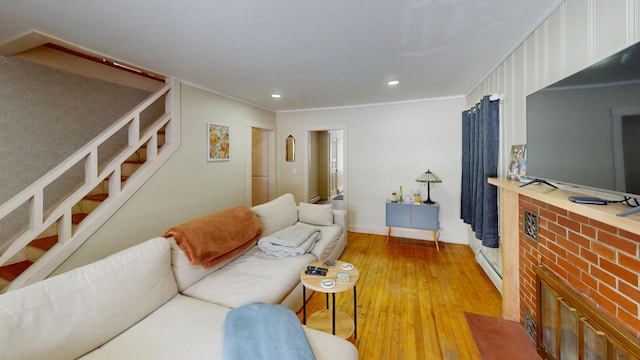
pixel 414 216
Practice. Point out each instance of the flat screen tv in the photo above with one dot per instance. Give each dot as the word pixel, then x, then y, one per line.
pixel 585 130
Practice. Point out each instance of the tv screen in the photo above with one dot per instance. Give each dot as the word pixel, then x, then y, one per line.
pixel 584 130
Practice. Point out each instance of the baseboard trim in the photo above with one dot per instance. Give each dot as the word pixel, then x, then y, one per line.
pixel 409 234
pixel 489 269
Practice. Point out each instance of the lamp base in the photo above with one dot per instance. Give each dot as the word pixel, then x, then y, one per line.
pixel 428 202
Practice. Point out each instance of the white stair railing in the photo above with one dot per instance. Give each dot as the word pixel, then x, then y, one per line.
pixel 71 239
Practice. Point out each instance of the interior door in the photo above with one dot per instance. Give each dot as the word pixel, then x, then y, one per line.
pixel 259 166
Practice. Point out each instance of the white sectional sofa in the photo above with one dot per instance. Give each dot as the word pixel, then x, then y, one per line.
pixel 148 302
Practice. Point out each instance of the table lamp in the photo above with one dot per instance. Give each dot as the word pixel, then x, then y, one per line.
pixel 428 178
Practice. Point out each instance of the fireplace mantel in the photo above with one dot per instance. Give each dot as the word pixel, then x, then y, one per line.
pixel 510 232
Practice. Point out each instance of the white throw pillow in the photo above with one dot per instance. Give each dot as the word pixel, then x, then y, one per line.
pixel 277 214
pixel 315 214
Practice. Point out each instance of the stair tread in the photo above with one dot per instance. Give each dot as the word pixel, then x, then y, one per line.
pixel 44 243
pixel 11 272
pixel 97 197
pixel 77 218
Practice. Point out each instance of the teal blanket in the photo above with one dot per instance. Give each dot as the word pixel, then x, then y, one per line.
pixel 264 331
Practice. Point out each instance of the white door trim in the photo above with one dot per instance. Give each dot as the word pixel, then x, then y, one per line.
pixel 345 157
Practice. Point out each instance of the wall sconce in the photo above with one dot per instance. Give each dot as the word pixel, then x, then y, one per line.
pixel 291 149
pixel 428 178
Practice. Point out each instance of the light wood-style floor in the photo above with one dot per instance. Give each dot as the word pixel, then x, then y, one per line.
pixel 412 299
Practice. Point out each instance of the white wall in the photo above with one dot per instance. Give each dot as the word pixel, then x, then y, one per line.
pixel 576 35
pixel 385 146
pixel 187 186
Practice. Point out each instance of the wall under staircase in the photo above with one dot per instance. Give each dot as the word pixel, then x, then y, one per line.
pixel 53 235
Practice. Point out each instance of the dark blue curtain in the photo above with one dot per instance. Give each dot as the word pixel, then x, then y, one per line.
pixel 480 141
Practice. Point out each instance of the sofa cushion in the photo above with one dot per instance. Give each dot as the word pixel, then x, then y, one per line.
pixel 252 277
pixel 186 328
pixel 187 274
pixel 277 214
pixel 68 315
pixel 183 328
pixel 315 214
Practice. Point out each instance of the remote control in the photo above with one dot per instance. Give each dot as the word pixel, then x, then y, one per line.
pixel 317 268
pixel 315 272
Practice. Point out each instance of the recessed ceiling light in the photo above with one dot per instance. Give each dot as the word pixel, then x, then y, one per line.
pixel 276 96
pixel 393 82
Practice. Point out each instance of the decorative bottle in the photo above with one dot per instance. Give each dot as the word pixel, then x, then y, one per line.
pixel 400 197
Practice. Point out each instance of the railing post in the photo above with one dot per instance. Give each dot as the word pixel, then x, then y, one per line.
pixel 91 167
pixel 115 182
pixel 65 227
pixel 36 211
pixel 172 107
pixel 152 147
pixel 134 130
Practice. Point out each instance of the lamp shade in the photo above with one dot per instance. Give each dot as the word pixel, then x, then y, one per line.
pixel 428 178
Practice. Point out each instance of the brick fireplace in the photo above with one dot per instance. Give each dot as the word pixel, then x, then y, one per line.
pixel 598 261
pixel 586 247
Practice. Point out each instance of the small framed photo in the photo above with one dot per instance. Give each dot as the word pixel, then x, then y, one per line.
pixel 517 162
pixel 218 142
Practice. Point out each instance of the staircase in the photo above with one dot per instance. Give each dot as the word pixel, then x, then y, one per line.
pixel 52 235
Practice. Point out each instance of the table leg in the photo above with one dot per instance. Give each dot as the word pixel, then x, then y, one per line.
pixel 304 305
pixel 333 318
pixel 388 234
pixel 435 238
pixel 355 314
pixel 326 298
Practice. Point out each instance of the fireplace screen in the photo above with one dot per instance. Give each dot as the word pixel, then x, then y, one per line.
pixel 569 328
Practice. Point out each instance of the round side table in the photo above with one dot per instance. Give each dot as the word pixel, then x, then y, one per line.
pixel 331 320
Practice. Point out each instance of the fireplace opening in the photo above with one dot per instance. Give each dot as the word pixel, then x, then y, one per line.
pixel 569 327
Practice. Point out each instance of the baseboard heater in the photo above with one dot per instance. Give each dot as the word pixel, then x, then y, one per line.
pixel 492 272
pixel 314 198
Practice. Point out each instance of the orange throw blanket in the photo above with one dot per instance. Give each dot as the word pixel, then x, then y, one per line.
pixel 216 237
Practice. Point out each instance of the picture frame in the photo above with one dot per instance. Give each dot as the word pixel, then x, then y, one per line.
pixel 218 143
pixel 517 162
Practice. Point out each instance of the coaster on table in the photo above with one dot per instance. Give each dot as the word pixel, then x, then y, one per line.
pixel 346 266
pixel 328 283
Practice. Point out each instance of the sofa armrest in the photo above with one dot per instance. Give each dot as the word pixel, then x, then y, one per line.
pixel 340 217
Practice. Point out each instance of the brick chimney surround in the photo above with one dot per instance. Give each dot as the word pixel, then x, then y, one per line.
pixel 587 247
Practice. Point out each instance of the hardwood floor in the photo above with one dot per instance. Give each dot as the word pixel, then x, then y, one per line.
pixel 412 299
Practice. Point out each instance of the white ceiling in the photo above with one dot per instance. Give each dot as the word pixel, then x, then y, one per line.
pixel 315 53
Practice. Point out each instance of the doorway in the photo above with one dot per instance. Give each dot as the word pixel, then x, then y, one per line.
pixel 262 169
pixel 326 167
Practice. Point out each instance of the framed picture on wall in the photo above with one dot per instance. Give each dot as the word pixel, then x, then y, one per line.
pixel 517 162
pixel 217 142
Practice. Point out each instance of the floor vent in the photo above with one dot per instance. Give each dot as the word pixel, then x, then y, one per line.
pixel 490 269
pixel 530 326
pixel 530 225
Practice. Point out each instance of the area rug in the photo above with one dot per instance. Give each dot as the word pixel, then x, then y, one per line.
pixel 499 339
pixel 339 197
